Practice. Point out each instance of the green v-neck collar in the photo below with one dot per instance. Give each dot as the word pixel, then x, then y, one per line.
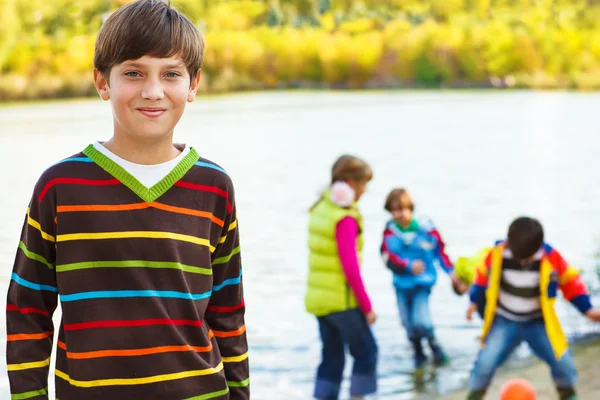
pixel 149 195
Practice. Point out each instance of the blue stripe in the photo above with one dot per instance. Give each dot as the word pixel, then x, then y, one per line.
pixel 228 282
pixel 582 302
pixel 477 293
pixel 76 159
pixel 207 165
pixel 31 285
pixel 113 294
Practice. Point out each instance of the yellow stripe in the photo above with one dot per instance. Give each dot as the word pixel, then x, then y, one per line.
pixel 34 224
pixel 139 381
pixel 135 234
pixel 570 273
pixel 29 365
pixel 235 359
pixel 231 227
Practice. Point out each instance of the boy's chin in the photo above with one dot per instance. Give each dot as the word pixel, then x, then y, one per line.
pixel 149 136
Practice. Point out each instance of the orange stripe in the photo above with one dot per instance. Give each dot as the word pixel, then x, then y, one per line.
pixel 181 210
pixel 140 206
pixel 103 207
pixel 28 336
pixel 238 332
pixel 133 352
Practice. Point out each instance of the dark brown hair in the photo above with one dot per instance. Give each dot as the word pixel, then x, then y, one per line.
pixel 350 168
pixel 148 28
pixel 397 196
pixel 525 237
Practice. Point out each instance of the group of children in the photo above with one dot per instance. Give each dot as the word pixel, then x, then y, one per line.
pixel 512 284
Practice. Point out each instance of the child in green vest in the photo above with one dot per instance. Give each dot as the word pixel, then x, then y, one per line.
pixel 465 269
pixel 336 294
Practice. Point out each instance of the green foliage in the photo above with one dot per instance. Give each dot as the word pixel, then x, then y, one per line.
pixel 46 48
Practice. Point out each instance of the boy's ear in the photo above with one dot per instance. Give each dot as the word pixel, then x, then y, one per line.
pixel 101 85
pixel 194 87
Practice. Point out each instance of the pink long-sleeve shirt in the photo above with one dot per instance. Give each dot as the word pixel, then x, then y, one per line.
pixel 345 236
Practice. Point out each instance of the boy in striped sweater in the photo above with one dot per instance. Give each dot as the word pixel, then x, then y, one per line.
pixel 519 280
pixel 137 236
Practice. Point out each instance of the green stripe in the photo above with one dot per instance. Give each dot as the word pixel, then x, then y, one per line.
pixel 210 395
pixel 28 395
pixel 34 256
pixel 147 194
pixel 223 260
pixel 133 264
pixel 243 383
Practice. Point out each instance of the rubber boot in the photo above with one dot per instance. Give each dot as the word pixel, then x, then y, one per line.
pixel 477 394
pixel 439 357
pixel 419 356
pixel 566 393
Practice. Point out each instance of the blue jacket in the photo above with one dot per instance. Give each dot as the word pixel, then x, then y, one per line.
pixel 419 241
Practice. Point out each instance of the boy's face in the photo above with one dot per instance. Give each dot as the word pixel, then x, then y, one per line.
pixel 148 96
pixel 460 286
pixel 402 214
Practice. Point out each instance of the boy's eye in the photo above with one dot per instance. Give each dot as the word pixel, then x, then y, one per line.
pixel 133 74
pixel 172 74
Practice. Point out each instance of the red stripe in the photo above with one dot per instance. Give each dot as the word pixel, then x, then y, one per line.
pixel 205 188
pixel 391 256
pixel 441 249
pixel 226 309
pixel 27 310
pixel 126 323
pixel 76 181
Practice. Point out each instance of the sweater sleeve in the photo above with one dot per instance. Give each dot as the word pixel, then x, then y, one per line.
pixel 569 280
pixel 440 251
pixel 345 235
pixel 226 309
pixel 32 299
pixel 480 284
pixel 392 259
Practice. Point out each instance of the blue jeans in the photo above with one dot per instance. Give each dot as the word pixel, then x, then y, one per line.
pixel 338 330
pixel 504 336
pixel 413 305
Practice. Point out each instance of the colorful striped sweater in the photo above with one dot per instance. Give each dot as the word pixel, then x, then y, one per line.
pixel 149 280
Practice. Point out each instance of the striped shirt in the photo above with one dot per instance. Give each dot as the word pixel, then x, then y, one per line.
pixel 149 280
pixel 519 297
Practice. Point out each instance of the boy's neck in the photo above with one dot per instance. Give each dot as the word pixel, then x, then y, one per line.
pixel 143 153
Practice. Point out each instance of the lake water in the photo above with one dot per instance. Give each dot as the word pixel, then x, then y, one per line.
pixel 472 160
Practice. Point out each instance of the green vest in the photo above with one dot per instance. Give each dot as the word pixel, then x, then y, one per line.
pixel 328 290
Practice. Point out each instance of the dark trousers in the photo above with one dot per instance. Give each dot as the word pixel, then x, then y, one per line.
pixel 338 330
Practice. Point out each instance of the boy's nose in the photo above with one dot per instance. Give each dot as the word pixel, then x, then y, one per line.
pixel 153 91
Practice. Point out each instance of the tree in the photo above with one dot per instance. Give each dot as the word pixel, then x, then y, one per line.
pixel 9 28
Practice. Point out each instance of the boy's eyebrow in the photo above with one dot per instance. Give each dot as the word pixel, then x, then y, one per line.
pixel 134 64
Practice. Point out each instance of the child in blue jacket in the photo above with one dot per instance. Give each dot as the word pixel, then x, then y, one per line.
pixel 411 249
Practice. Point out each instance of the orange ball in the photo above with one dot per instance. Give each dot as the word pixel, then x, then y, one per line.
pixel 518 389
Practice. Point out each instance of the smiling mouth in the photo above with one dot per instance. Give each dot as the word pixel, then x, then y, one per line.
pixel 152 112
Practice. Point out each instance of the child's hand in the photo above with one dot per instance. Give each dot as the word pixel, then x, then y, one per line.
pixel 593 314
pixel 371 318
pixel 417 267
pixel 472 308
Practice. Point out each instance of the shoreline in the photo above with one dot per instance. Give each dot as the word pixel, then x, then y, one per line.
pixel 7 102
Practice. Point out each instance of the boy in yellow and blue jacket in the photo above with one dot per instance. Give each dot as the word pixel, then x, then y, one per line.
pixel 519 280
